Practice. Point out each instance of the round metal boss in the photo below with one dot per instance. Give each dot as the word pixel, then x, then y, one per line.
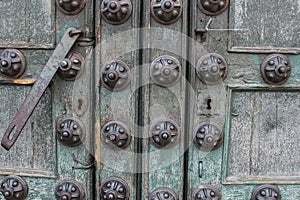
pixel 70 131
pixel 212 68
pixel 114 188
pixel 71 67
pixel 116 11
pixel 208 136
pixel 69 189
pixel 116 135
pixel 165 71
pixel 206 193
pixel 276 69
pixel 266 192
pixel 14 188
pixel 12 63
pixel 166 11
pixel 71 7
pixel 164 133
pixel 116 75
pixel 163 193
pixel 213 7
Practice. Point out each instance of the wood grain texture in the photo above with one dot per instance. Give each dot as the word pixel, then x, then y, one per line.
pixel 28 24
pixel 258 30
pixel 263 137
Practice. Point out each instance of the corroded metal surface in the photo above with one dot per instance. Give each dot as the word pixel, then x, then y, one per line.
pixel 212 68
pixel 12 63
pixel 116 12
pixel 116 134
pixel 70 131
pixel 276 69
pixel 166 11
pixel 163 193
pixel 165 71
pixel 38 89
pixel 164 133
pixel 69 189
pixel 266 192
pixel 71 7
pixel 14 188
pixel 114 188
pixel 71 67
pixel 206 193
pixel 213 7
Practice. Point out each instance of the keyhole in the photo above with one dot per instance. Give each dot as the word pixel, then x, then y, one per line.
pixel 208 104
pixel 80 102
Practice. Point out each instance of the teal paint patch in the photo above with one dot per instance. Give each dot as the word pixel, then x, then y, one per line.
pixel 295 63
pixel 256 60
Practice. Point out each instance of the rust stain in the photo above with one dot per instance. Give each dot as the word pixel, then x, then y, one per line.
pixel 24 81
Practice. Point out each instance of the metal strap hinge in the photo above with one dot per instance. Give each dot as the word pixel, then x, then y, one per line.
pixel 40 86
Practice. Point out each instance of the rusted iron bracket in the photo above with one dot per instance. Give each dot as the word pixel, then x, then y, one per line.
pixel 38 89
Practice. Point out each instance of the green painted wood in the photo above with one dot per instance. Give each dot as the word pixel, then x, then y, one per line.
pixel 163 167
pixel 28 24
pixel 117 42
pixel 274 160
pixel 45 161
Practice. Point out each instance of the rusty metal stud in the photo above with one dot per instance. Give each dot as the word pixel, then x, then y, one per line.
pixel 12 63
pixel 213 7
pixel 116 75
pixel 166 11
pixel 266 192
pixel 70 131
pixel 164 133
pixel 163 193
pixel 206 193
pixel 69 189
pixel 212 68
pixel 71 67
pixel 165 71
pixel 208 136
pixel 116 135
pixel 71 7
pixel 116 11
pixel 276 69
pixel 14 188
pixel 114 188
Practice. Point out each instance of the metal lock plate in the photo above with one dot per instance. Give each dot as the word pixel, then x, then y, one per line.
pixel 276 69
pixel 164 133
pixel 14 188
pixel 208 136
pixel 163 193
pixel 206 193
pixel 71 67
pixel 212 68
pixel 116 75
pixel 70 132
pixel 116 11
pixel 12 63
pixel 266 192
pixel 165 71
pixel 213 7
pixel 69 189
pixel 71 7
pixel 114 188
pixel 116 135
pixel 166 11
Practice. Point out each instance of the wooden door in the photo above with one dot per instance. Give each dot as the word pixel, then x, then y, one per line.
pixel 254 104
pixel 30 32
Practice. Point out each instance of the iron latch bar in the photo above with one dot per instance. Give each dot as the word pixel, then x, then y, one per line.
pixel 25 111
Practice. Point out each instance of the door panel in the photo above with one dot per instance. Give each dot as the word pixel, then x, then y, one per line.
pixel 116 115
pixel 37 157
pixel 256 117
pixel 164 43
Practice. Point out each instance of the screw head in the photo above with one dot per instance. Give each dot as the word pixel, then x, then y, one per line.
pixel 168 4
pixel 4 63
pixel 65 134
pixel 113 5
pixel 65 197
pixel 111 196
pixel 282 69
pixel 15 183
